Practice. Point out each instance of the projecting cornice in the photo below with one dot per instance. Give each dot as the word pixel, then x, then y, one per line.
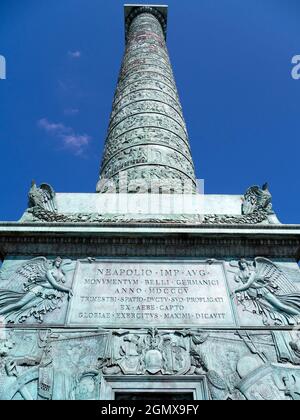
pixel 282 241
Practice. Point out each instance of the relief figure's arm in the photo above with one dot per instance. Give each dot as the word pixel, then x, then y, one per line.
pixel 55 285
pixel 248 285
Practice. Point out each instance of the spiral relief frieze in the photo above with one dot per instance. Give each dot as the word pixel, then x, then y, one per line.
pixel 145 83
pixel 147 137
pixel 142 107
pixel 144 136
pixel 143 95
pixel 151 74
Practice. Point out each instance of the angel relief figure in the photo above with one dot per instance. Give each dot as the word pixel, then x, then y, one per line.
pixel 43 290
pixel 267 291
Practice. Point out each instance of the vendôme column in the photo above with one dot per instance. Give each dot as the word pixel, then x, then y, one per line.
pixel 147 145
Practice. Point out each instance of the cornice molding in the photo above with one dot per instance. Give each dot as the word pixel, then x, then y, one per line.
pixel 149 245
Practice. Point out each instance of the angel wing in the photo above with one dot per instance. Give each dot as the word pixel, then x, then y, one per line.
pixel 29 272
pixel 48 197
pixel 269 270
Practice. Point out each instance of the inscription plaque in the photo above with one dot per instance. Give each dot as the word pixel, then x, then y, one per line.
pixel 139 293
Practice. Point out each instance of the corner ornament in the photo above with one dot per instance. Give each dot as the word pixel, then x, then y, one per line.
pixel 256 209
pixel 43 290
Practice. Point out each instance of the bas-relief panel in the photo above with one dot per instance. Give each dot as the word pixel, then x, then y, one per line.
pixel 177 293
pixel 234 365
pixel 265 292
pixel 35 290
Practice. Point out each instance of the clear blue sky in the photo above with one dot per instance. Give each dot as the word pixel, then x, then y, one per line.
pixel 232 62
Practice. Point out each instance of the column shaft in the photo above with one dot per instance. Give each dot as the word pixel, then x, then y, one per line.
pixel 147 137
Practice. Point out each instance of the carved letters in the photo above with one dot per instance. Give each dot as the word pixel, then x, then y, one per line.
pixel 110 292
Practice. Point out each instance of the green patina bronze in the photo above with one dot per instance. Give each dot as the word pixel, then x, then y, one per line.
pixel 100 305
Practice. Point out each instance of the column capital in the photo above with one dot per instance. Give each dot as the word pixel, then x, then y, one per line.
pixel 133 10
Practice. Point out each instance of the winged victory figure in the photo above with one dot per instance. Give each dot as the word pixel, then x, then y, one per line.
pixel 267 291
pixel 43 290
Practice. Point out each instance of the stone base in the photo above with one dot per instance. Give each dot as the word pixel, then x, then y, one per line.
pixel 106 365
pixel 127 312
